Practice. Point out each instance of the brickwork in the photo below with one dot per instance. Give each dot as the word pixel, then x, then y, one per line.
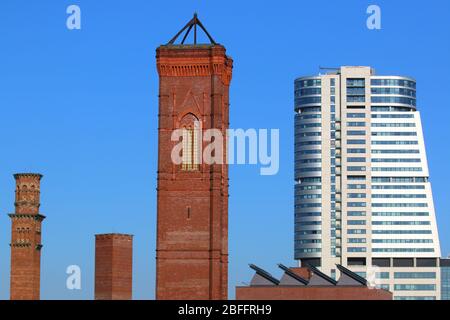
pixel 305 273
pixel 192 226
pixel 311 293
pixel 26 239
pixel 113 266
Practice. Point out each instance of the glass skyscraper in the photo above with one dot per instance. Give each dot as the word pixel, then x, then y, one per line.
pixel 362 193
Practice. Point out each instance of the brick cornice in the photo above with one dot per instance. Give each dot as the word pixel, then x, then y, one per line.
pixel 38 217
pixel 194 61
pixel 114 236
pixel 20 245
pixel 30 175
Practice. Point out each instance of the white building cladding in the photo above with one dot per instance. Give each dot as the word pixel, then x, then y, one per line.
pixel 362 194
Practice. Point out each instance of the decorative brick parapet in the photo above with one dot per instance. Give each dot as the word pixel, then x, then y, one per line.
pixel 194 61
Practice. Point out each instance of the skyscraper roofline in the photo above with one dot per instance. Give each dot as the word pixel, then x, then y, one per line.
pixel 337 71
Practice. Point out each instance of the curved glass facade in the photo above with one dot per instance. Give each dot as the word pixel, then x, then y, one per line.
pixel 308 166
pixel 393 91
pixel 362 190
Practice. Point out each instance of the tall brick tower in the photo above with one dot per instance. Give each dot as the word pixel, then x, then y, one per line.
pixel 26 238
pixel 192 226
pixel 113 266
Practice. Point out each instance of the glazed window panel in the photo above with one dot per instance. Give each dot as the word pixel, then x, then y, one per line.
pixel 191 152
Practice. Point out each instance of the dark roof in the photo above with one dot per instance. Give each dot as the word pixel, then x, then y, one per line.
pixel 263 273
pixel 352 275
pixel 320 274
pixel 192 24
pixel 292 274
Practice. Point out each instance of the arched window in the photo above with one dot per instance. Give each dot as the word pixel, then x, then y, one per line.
pixel 191 135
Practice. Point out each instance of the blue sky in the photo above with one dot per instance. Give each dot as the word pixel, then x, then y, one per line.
pixel 81 108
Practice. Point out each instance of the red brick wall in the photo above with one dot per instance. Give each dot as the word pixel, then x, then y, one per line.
pixel 26 239
pixel 311 293
pixel 305 273
pixel 113 267
pixel 192 226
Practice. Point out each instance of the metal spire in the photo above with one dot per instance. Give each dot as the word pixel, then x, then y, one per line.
pixel 193 23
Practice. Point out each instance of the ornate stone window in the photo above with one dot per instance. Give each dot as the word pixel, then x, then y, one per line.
pixel 191 134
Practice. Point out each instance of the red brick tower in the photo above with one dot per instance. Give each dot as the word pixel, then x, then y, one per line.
pixel 192 226
pixel 26 239
pixel 113 266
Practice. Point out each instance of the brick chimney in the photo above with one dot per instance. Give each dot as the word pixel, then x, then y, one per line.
pixel 26 238
pixel 113 266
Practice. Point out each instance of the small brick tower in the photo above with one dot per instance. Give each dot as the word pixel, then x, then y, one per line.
pixel 113 266
pixel 26 238
pixel 192 200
